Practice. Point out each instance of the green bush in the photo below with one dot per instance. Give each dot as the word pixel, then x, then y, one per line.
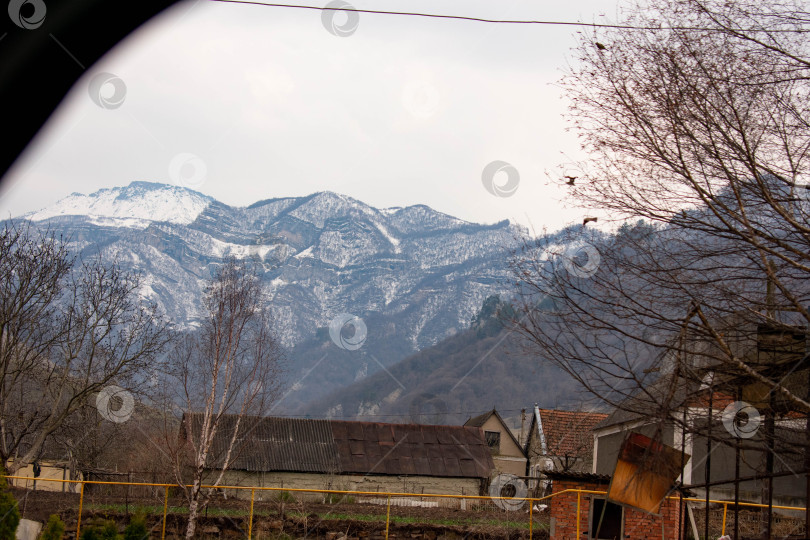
pixel 9 513
pixel 100 529
pixel 136 530
pixel 54 529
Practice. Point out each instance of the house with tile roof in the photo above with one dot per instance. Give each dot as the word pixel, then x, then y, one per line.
pixel 560 441
pixel 348 455
pixel 713 448
pixel 507 453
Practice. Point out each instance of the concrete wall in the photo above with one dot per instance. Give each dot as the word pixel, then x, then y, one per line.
pixel 53 471
pixel 352 482
pixel 506 465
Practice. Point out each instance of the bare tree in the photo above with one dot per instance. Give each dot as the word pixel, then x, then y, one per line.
pixel 695 118
pixel 696 121
pixel 227 373
pixel 68 330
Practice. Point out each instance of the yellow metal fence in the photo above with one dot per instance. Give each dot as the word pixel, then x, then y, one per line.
pixel 388 496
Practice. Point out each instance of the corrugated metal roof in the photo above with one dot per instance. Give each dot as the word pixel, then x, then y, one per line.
pixel 330 446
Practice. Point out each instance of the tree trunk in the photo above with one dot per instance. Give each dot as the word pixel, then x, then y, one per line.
pixel 193 508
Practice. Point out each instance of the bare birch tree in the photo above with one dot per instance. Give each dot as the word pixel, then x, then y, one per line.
pixel 227 373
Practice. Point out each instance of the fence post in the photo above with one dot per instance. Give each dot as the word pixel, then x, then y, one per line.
pixel 725 510
pixel 250 520
pixel 387 516
pixel 165 508
pixel 579 495
pixel 531 516
pixel 81 503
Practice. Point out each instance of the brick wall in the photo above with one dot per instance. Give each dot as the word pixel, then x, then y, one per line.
pixel 564 509
pixel 637 524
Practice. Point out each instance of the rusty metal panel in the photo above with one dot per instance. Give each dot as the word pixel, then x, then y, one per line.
pixel 339 430
pixel 370 433
pixel 384 433
pixel 437 467
pixel 401 432
pixel 357 448
pixel 390 466
pixel 406 466
pixel 415 436
pixel 452 467
pixel 374 451
pixel 362 465
pixel 445 437
pixel 421 466
pixel 434 451
pixel 645 472
pixel 419 451
pixel 468 467
pixel 429 435
pixel 355 431
pixel 400 450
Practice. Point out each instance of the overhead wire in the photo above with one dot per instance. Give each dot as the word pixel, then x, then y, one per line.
pixel 420 413
pixel 351 9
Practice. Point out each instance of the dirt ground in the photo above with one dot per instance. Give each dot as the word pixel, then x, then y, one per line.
pixel 299 520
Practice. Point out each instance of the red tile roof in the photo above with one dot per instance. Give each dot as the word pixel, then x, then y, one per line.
pixel 568 433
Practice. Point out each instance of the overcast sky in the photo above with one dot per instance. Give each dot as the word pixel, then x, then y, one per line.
pixel 245 103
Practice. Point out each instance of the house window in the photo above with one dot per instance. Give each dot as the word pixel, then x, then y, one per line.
pixel 607 520
pixel 493 441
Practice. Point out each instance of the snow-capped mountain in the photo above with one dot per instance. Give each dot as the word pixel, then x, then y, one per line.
pixel 134 206
pixel 321 255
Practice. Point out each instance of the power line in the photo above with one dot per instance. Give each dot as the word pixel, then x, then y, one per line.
pixel 420 413
pixel 479 19
pixel 433 15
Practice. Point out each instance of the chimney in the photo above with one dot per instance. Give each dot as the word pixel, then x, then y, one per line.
pixel 522 424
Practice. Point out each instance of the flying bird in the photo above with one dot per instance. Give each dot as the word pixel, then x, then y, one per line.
pixel 570 180
pixel 600 46
pixel 588 220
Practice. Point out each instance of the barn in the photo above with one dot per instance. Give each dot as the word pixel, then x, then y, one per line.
pixel 348 455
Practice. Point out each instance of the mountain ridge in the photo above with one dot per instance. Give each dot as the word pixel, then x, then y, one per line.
pixel 414 274
pixel 442 383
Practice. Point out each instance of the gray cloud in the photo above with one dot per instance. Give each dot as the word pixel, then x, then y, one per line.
pixel 275 105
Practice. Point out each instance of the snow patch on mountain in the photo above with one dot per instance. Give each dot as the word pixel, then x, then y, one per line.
pixel 388 236
pixel 304 254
